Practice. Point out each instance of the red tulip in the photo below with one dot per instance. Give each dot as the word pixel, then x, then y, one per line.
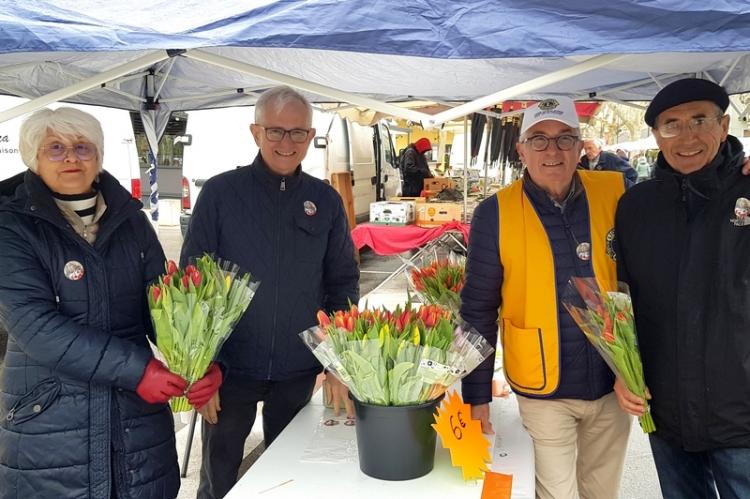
pixel 323 319
pixel 190 269
pixel 196 278
pixel 186 281
pixel 155 293
pixel 167 279
pixel 171 267
pixel 338 320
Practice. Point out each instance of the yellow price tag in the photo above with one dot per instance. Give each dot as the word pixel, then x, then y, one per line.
pixel 462 436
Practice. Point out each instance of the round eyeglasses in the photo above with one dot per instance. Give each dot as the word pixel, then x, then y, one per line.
pixel 540 143
pixel 56 151
pixel 297 135
pixel 702 124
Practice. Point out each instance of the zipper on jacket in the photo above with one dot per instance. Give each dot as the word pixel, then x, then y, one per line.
pixel 278 273
pixel 684 188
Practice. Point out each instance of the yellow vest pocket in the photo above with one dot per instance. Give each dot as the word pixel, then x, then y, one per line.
pixel 523 357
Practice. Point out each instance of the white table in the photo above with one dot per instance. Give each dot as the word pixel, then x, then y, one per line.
pixel 285 469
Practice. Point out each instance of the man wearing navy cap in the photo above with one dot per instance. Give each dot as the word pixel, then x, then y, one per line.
pixel 683 248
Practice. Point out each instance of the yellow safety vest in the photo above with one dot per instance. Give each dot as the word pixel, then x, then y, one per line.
pixel 529 320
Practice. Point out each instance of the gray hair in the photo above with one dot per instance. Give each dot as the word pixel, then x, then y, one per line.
pixel 66 122
pixel 599 143
pixel 278 97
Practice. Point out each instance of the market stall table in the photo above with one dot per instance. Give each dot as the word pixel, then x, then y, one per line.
pixel 392 240
pixel 311 460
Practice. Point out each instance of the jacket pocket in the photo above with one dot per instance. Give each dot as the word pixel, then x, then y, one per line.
pixel 523 356
pixel 35 402
pixel 311 238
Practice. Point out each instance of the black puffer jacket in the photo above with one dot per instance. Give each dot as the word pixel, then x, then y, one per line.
pixel 70 421
pixel 291 233
pixel 688 266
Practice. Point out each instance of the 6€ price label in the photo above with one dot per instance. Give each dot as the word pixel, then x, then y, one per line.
pixel 462 436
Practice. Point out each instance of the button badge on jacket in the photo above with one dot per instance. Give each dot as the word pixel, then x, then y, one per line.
pixel 73 270
pixel 310 208
pixel 742 212
pixel 583 251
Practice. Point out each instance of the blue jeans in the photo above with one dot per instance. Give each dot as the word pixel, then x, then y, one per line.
pixel 695 475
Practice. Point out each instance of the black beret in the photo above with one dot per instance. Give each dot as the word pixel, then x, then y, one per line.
pixel 682 91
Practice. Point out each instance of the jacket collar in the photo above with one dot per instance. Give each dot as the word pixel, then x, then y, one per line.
pixel 709 179
pixel 273 180
pixel 540 197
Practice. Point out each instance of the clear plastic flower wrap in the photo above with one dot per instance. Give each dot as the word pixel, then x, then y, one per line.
pixel 437 279
pixel 193 311
pixel 606 318
pixel 405 357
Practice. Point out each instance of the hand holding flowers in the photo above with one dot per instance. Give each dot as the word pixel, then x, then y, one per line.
pixel 607 321
pixel 193 312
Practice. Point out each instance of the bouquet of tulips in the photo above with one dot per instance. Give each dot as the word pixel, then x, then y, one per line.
pixel 437 281
pixel 405 357
pixel 193 310
pixel 607 321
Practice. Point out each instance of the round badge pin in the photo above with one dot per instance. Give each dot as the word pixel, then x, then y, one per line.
pixel 583 251
pixel 310 208
pixel 73 270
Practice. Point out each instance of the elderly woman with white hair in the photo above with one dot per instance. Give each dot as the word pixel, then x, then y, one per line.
pixel 82 401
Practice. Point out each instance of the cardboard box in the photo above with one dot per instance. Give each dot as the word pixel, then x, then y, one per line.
pixel 402 198
pixel 432 214
pixel 437 184
pixel 392 212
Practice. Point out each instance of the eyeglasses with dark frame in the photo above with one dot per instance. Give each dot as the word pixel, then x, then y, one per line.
pixel 540 143
pixel 700 124
pixel 276 134
pixel 56 151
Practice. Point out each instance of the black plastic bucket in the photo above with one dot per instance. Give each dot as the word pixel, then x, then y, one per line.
pixel 396 442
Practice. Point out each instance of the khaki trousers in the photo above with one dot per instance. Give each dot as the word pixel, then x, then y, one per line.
pixel 579 446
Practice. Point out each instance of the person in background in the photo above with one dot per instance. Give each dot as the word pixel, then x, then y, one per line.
pixel 82 401
pixel 598 159
pixel 414 167
pixel 290 231
pixel 683 245
pixel 526 242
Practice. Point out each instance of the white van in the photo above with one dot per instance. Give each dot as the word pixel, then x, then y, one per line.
pixel 217 140
pixel 120 152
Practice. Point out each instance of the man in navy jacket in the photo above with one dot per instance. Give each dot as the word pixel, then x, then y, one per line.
pixel 290 231
pixel 596 159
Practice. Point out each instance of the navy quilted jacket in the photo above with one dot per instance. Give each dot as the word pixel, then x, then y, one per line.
pixel 291 233
pixel 583 373
pixel 71 425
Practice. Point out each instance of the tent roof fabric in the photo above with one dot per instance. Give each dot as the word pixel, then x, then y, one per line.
pixel 386 51
pixel 468 29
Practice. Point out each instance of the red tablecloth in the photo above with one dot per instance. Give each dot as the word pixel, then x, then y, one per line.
pixel 390 240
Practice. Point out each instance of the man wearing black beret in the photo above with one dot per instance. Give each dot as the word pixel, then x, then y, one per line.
pixel 684 249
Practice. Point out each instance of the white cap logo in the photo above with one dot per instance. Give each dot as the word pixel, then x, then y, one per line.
pixel 561 109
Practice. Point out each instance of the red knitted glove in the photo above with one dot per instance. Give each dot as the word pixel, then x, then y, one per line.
pixel 158 384
pixel 203 389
